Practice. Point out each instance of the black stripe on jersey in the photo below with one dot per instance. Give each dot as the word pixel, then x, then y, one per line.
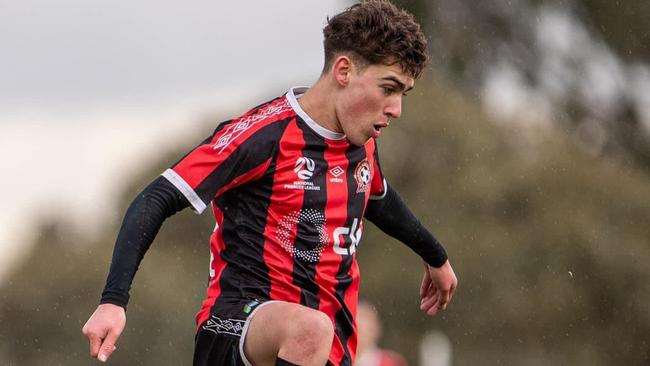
pixel 246 274
pixel 376 162
pixel 343 318
pixel 308 238
pixel 252 152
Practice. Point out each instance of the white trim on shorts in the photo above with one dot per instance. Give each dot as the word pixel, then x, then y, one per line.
pixel 245 330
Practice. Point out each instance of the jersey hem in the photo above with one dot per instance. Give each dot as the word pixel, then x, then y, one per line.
pixel 197 205
pixel 381 196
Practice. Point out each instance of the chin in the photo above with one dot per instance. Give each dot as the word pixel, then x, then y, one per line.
pixel 359 141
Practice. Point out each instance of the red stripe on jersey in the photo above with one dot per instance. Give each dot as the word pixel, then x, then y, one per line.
pixel 330 261
pixel 217 246
pixel 278 259
pixel 227 140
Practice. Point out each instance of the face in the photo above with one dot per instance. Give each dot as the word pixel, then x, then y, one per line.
pixel 370 99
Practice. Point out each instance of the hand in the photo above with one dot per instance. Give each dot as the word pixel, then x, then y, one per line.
pixel 103 329
pixel 437 289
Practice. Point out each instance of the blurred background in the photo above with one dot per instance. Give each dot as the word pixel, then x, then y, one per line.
pixel 525 148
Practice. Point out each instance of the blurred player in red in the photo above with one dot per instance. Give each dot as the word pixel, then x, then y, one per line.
pixel 370 331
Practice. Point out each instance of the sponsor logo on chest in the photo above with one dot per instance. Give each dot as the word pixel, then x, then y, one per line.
pixel 304 169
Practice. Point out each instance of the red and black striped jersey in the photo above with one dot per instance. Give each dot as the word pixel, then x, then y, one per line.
pixel 288 197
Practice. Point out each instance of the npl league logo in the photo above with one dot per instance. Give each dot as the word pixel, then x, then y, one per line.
pixel 304 168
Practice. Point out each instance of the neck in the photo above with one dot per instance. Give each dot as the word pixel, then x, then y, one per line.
pixel 318 103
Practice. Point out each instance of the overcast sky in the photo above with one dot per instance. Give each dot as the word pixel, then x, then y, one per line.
pixel 76 51
pixel 89 90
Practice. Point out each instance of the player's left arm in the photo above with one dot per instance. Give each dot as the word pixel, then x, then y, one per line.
pixel 391 215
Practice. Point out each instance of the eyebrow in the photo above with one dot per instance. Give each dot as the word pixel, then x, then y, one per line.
pixel 398 82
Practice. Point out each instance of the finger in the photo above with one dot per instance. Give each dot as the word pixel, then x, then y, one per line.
pixel 430 299
pixel 443 300
pixel 429 303
pixel 429 293
pixel 108 346
pixel 431 287
pixel 433 311
pixel 452 291
pixel 432 291
pixel 95 343
pixel 426 283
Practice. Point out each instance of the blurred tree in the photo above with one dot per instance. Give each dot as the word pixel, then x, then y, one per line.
pixel 579 64
pixel 549 243
pixel 623 25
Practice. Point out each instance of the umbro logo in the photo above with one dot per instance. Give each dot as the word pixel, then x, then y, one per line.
pixel 336 172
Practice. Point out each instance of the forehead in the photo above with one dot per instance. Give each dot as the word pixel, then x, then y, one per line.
pixel 390 73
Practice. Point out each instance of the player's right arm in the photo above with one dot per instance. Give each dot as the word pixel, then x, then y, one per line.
pixel 236 153
pixel 141 223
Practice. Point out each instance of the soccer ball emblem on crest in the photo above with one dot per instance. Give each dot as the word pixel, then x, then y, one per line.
pixel 363 175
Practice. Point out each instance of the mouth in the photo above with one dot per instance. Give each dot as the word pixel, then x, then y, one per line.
pixel 377 128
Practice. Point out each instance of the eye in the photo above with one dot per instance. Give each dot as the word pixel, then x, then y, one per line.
pixel 388 90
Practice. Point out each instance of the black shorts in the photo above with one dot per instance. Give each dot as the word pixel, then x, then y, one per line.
pixel 220 339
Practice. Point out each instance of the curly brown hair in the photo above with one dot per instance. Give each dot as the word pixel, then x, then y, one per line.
pixel 376 32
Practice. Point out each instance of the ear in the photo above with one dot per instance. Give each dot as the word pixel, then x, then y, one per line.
pixel 342 69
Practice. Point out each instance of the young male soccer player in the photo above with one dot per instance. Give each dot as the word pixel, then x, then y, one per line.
pixel 289 183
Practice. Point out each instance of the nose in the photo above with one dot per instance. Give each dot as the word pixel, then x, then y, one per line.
pixel 394 108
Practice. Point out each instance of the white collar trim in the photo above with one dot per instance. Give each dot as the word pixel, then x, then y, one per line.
pixel 296 93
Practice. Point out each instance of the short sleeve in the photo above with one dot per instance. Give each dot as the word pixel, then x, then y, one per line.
pixel 235 154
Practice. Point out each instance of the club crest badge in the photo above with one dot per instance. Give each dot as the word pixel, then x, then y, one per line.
pixel 363 175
